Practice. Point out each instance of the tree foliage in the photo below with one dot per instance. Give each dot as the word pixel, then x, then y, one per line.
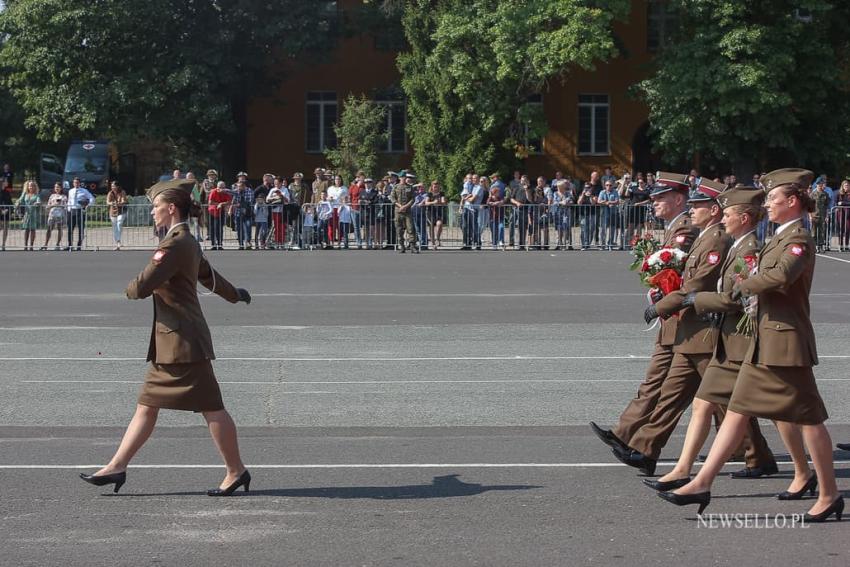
pixel 359 133
pixel 472 65
pixel 754 83
pixel 178 71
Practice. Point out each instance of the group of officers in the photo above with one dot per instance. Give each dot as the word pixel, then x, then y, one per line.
pixel 701 355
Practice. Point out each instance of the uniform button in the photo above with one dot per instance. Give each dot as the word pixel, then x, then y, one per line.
pixel 779 326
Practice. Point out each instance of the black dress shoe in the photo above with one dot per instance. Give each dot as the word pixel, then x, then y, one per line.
pixel 666 485
pixel 844 446
pixel 837 508
pixel 635 459
pixel 243 480
pixel 810 486
pixel 118 479
pixel 608 437
pixel 755 472
pixel 701 498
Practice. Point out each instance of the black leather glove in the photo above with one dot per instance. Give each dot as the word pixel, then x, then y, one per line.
pixel 689 299
pixel 244 295
pixel 650 314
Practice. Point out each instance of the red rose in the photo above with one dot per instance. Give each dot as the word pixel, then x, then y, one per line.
pixel 666 280
pixel 645 266
pixel 666 256
pixel 751 262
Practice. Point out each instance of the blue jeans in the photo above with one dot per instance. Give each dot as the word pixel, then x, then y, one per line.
pixel 421 223
pixel 355 220
pixel 471 234
pixel 243 229
pixel 588 229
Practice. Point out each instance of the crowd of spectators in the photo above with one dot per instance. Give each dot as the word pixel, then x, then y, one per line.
pixel 603 212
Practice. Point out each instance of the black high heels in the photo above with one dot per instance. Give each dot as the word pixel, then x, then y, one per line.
pixel 243 480
pixel 666 485
pixel 809 487
pixel 701 498
pixel 118 479
pixel 837 508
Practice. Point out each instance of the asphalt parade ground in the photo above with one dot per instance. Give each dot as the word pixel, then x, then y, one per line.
pixel 393 410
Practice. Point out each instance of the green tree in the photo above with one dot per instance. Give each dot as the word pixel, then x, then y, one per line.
pixel 359 133
pixel 175 71
pixel 473 64
pixel 753 84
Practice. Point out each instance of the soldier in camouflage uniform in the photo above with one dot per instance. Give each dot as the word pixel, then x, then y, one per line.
pixel 402 197
pixel 820 214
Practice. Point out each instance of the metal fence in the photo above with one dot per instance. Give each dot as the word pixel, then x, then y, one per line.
pixel 369 226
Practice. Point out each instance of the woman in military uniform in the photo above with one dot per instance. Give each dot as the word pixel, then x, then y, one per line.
pixel 180 376
pixel 776 379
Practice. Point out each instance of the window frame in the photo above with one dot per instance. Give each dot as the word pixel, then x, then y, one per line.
pixel 322 101
pixel 388 104
pixel 592 106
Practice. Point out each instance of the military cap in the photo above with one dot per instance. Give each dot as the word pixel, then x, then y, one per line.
pixel 707 190
pixel 785 176
pixel 179 184
pixel 410 175
pixel 392 174
pixel 741 194
pixel 666 181
pixel 298 175
pixel 241 174
pixel 212 173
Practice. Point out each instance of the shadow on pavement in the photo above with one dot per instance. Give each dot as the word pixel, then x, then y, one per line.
pixel 441 487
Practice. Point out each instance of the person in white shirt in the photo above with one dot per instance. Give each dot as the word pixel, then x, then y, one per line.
pixel 79 198
pixel 345 219
pixel 335 193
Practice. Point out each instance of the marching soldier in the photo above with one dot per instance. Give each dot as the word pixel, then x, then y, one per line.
pixel 694 341
pixel 180 376
pixel 669 196
pixel 402 197
pixel 776 379
pixel 742 211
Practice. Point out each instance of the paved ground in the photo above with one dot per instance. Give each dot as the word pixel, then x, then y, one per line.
pixel 394 410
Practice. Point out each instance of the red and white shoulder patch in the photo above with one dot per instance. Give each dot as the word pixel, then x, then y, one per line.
pixel 797 249
pixel 680 239
pixel 158 256
pixel 713 257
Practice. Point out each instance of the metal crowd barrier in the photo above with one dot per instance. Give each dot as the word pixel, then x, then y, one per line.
pixel 375 226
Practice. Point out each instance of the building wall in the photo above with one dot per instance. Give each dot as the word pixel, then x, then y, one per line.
pixel 276 125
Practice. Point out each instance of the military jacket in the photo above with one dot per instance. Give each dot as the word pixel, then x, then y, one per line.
pixel 180 333
pixel 680 234
pixel 402 195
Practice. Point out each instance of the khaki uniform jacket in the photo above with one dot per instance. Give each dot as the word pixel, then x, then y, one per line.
pixel 318 186
pixel 784 335
pixel 702 269
pixel 731 345
pixel 680 234
pixel 402 195
pixel 180 333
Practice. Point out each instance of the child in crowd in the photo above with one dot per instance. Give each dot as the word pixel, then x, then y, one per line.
pixel 308 227
pixel 325 212
pixel 344 221
pixel 261 223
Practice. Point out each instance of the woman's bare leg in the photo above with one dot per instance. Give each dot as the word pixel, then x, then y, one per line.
pixel 820 446
pixel 792 436
pixel 728 439
pixel 698 428
pixel 223 432
pixel 138 431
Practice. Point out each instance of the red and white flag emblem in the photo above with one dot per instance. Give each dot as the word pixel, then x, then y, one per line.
pixel 713 257
pixel 158 256
pixel 680 239
pixel 797 250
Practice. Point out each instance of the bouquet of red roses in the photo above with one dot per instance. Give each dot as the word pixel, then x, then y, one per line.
pixel 744 268
pixel 642 247
pixel 662 270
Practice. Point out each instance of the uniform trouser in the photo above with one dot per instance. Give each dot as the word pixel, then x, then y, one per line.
pixel 405 222
pixel 641 407
pixel 820 232
pixel 677 393
pixel 754 445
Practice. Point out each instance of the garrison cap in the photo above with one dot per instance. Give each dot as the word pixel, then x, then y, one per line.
pixel 666 181
pixel 707 190
pixel 179 184
pixel 741 194
pixel 785 176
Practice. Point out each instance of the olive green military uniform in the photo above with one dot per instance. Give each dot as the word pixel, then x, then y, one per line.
pixel 820 217
pixel 679 234
pixel 402 197
pixel 693 343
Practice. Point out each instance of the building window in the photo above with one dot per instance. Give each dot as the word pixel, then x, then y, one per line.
pixel 594 125
pixel 395 122
pixel 321 119
pixel 660 21
pixel 534 144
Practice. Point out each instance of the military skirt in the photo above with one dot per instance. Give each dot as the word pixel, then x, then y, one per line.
pixel 783 393
pixel 187 386
pixel 718 382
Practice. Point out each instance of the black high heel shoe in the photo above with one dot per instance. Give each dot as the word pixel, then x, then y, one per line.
pixel 118 479
pixel 243 480
pixel 809 487
pixel 837 508
pixel 666 485
pixel 701 498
